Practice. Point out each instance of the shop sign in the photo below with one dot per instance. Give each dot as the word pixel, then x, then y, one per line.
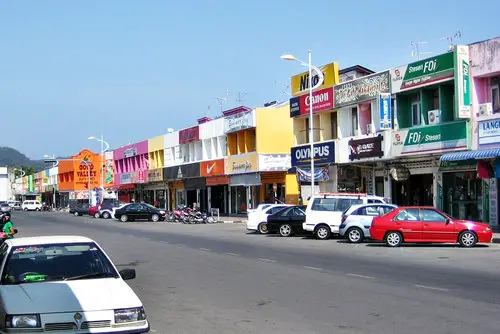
pixel 370 147
pixel 242 163
pixel 300 82
pixel 462 81
pixel 125 178
pixel 189 135
pixel 422 73
pixel 181 172
pixel 457 165
pixel 274 162
pixel 109 174
pixel 362 89
pixel 321 174
pixel 130 152
pixel 322 100
pixel 400 174
pixel 489 132
pixel 155 175
pixel 240 121
pixel 324 153
pixel 212 167
pixel 385 109
pixel 429 139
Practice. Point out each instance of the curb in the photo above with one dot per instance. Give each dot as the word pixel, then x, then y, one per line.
pixel 495 240
pixel 234 221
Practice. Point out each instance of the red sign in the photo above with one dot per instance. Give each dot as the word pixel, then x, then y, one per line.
pixel 322 100
pixel 189 135
pixel 213 167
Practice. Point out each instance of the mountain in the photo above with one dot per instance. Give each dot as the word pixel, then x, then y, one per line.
pixel 13 158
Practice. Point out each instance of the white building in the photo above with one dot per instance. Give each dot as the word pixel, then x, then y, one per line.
pixel 6 181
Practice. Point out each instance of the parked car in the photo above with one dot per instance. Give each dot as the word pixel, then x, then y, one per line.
pixel 68 284
pixel 15 205
pixel 324 211
pixel 94 211
pixel 257 220
pixel 139 211
pixel 31 205
pixel 357 220
pixel 5 207
pixel 287 221
pixel 107 205
pixel 79 209
pixel 429 225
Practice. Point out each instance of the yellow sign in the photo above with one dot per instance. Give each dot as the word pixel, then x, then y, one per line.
pixel 242 163
pixel 300 82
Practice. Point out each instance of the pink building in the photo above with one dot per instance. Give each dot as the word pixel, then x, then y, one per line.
pixel 131 163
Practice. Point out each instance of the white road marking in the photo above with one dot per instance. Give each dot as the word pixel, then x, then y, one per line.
pixel 165 242
pixel 232 254
pixel 313 268
pixel 430 287
pixel 266 260
pixel 360 276
pixel 205 249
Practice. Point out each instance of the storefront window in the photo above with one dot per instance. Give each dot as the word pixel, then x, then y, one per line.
pixel 180 197
pixel 270 196
pixel 239 200
pixel 463 195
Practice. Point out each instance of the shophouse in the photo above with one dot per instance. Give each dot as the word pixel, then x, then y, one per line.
pixel 155 189
pixel 131 166
pixel 173 159
pixel 51 188
pixel 79 178
pixel 432 117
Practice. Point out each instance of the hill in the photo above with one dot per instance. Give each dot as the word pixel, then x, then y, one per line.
pixel 13 158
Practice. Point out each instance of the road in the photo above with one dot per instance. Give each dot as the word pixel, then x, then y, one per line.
pixel 220 279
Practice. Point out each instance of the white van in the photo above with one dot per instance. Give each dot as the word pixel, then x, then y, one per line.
pixel 324 211
pixel 31 205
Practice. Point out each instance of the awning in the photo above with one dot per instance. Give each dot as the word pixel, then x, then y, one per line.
pixel 470 155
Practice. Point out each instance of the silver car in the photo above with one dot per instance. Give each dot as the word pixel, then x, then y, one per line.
pixel 357 220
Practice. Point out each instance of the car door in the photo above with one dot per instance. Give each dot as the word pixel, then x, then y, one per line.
pixel 132 211
pixel 408 222
pixel 436 227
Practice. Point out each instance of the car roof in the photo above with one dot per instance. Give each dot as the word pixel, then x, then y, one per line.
pixel 47 240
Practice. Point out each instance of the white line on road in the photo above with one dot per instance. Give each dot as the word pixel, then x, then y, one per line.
pixel 232 254
pixel 430 287
pixel 205 249
pixel 266 260
pixel 165 242
pixel 313 268
pixel 360 276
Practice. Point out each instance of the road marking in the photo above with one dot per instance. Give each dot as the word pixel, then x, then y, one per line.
pixel 360 276
pixel 232 254
pixel 430 287
pixel 165 242
pixel 266 260
pixel 313 268
pixel 205 249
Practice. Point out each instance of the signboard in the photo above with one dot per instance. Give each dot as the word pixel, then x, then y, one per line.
pixel 240 121
pixel 181 172
pixel 274 162
pixel 300 82
pixel 189 135
pixel 324 153
pixel 322 100
pixel 130 152
pixel 125 178
pixel 422 73
pixel 370 147
pixel 462 81
pixel 155 175
pixel 362 89
pixel 385 109
pixel 488 133
pixel 242 163
pixel 212 167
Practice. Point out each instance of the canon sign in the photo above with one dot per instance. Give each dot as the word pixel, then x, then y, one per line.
pixel 324 153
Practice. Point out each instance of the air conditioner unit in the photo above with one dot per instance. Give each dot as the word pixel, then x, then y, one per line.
pixel 370 128
pixel 434 116
pixel 485 109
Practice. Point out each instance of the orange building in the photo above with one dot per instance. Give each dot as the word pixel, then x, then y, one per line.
pixel 74 174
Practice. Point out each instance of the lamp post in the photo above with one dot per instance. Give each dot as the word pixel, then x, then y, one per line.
pixel 103 150
pixel 311 113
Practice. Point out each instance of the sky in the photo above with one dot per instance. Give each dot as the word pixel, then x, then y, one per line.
pixel 129 70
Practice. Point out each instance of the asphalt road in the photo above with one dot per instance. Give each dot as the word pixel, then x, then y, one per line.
pixel 220 279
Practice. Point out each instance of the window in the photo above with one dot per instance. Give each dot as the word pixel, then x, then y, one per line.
pixel 495 98
pixel 374 201
pixel 429 215
pixel 435 99
pixel 56 262
pixel 354 121
pixel 334 204
pixel 298 212
pixel 387 209
pixel 307 130
pixel 408 215
pixel 274 210
pixel 373 210
pixel 415 114
pixel 334 124
pixel 286 212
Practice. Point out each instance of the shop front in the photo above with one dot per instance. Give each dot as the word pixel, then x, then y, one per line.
pixel 245 182
pixel 273 170
pixel 217 185
pixel 193 190
pixel 155 190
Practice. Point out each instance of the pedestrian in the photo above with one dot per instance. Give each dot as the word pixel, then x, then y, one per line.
pixel 8 229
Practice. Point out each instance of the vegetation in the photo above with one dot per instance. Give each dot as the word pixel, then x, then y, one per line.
pixel 13 158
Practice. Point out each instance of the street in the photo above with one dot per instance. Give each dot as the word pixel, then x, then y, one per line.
pixel 220 279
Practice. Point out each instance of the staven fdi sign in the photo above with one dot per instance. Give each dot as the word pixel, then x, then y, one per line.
pixel 323 153
pixel 321 100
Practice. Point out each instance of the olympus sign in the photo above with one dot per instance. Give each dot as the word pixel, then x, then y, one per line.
pixel 323 153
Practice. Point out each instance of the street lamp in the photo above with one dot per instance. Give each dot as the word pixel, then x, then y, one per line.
pixel 103 150
pixel 311 116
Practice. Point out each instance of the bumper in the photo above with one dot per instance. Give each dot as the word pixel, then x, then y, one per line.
pixel 127 331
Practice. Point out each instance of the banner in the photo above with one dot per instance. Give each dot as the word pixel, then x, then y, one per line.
pixel 320 174
pixel 300 82
pixel 462 81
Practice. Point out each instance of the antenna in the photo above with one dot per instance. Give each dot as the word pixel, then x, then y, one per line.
pixel 239 97
pixel 415 49
pixel 222 100
pixel 285 88
pixel 451 39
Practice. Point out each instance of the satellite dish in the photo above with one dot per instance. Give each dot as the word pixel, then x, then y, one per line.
pixel 170 130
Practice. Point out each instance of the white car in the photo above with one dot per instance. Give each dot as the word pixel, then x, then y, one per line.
pixel 357 220
pixel 55 284
pixel 31 205
pixel 257 219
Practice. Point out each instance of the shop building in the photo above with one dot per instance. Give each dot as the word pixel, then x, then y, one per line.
pixel 432 118
pixel 131 165
pixel 155 190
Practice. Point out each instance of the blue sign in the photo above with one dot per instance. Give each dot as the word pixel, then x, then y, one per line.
pixel 384 104
pixel 324 153
pixel 488 133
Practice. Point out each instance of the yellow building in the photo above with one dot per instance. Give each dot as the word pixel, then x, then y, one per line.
pixel 258 148
pixel 154 190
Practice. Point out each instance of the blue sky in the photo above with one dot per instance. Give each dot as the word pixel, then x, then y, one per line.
pixel 132 69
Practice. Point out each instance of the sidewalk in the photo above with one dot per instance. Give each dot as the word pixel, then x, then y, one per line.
pixel 496 238
pixel 235 220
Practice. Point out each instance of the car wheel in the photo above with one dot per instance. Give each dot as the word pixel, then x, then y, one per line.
pixel 263 228
pixel 323 232
pixel 76 214
pixel 25 209
pixel 393 239
pixel 355 235
pixel 155 218
pixel 467 239
pixel 123 218
pixel 106 215
pixel 97 215
pixel 285 230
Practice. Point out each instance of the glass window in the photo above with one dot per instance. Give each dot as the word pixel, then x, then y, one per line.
pixel 429 215
pixel 373 210
pixel 374 201
pixel 408 215
pixel 495 98
pixel 286 212
pixel 354 120
pixel 345 203
pixel 307 130
pixel 298 212
pixel 333 118
pixel 56 262
pixel 415 113
pixel 387 209
pixel 324 204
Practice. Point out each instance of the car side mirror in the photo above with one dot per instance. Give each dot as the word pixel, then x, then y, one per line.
pixel 127 274
pixel 448 221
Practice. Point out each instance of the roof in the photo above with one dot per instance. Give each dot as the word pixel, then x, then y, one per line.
pixel 47 240
pixel 356 68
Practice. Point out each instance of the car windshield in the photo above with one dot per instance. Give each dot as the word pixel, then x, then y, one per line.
pixel 150 206
pixel 56 262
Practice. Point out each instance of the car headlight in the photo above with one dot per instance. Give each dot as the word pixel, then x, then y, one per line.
pixel 162 212
pixel 23 321
pixel 487 229
pixel 130 314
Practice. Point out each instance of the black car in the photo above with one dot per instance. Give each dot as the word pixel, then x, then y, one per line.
pixel 139 211
pixel 288 221
pixel 79 209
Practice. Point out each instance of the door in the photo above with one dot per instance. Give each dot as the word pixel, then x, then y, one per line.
pixel 436 227
pixel 143 212
pixel 408 223
pixel 132 211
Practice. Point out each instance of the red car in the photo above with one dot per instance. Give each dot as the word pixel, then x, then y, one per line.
pixel 94 211
pixel 429 225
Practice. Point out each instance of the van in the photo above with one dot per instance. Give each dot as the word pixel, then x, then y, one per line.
pixel 31 205
pixel 324 211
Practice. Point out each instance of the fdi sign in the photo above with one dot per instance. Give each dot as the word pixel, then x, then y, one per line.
pixel 324 153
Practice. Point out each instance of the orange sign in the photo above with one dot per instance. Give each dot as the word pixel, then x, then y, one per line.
pixel 212 168
pixel 76 171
